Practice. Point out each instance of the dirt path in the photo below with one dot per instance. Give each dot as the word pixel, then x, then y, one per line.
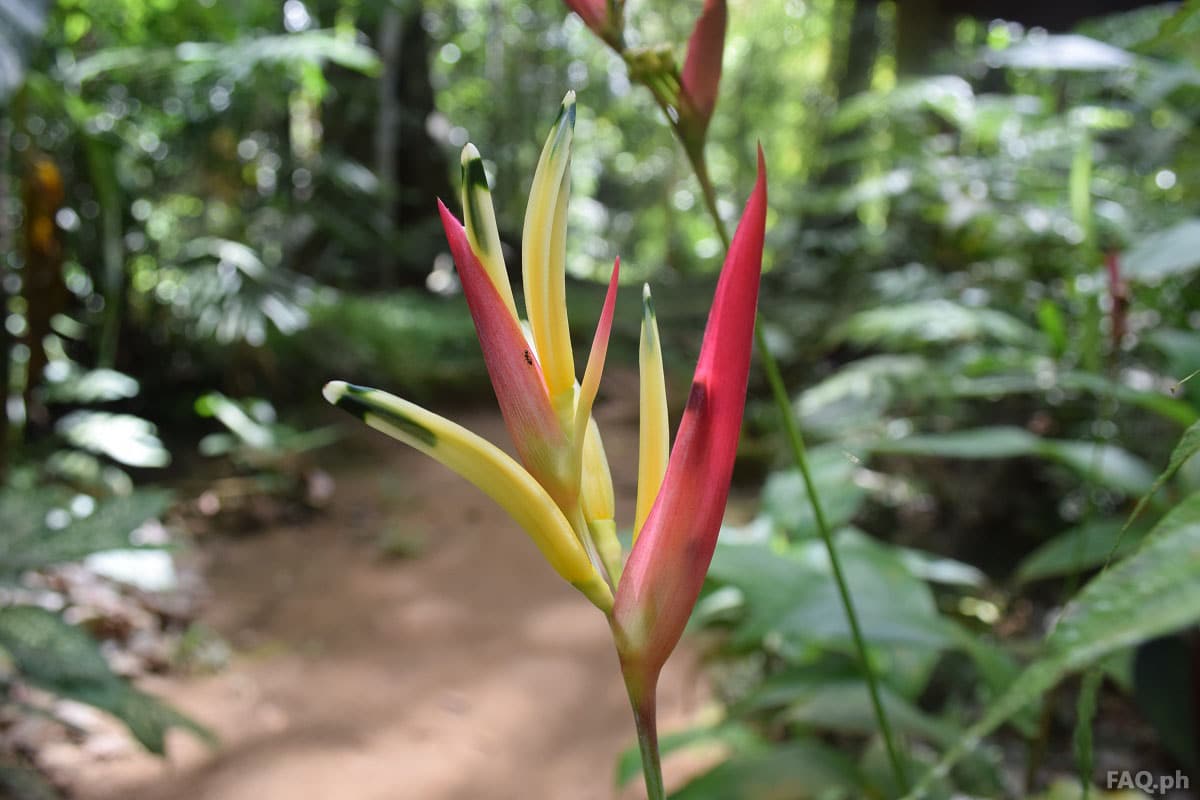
pixel 469 673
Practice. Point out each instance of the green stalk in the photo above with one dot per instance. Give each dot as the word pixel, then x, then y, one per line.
pixel 693 146
pixel 647 731
pixel 695 153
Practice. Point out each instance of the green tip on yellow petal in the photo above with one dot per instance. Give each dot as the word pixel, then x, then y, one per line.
pixel 486 466
pixel 654 438
pixel 479 218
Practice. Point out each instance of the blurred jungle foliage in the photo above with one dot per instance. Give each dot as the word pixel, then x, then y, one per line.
pixel 982 255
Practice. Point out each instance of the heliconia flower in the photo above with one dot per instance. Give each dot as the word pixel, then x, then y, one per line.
pixel 666 568
pixel 701 76
pixel 547 412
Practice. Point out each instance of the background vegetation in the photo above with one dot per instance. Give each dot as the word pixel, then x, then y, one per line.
pixel 982 254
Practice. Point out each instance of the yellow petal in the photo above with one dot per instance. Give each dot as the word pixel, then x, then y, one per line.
pixel 480 219
pixel 543 250
pixel 597 486
pixel 486 466
pixel 654 438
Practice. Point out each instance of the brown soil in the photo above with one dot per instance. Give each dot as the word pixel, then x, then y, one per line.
pixel 468 672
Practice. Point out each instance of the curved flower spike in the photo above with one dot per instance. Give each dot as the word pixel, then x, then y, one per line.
pixel 654 437
pixel 702 67
pixel 667 566
pixel 486 466
pixel 515 374
pixel 543 257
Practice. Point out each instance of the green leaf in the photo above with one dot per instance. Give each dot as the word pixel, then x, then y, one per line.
pixel 236 60
pixel 859 393
pixel 62 659
pixel 92 386
pixel 845 707
pixel 734 736
pixel 1063 52
pixel 1043 379
pixel 1085 712
pixel 1080 548
pixel 23 783
pixel 21 25
pixel 1106 464
pixel 792 598
pixel 1154 591
pixel 1173 251
pixel 796 770
pixel 124 438
pixel 930 323
pixel 1165 690
pixel 27 542
pixel 785 497
pixel 1188 446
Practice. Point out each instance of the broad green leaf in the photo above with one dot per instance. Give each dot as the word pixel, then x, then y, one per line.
pixel 21 25
pixel 92 386
pixel 62 659
pixel 731 735
pixel 932 323
pixel 785 497
pixel 124 438
pixel 1173 251
pixel 199 59
pixel 1063 52
pixel 1080 548
pixel 998 442
pixel 792 597
pixel 844 706
pixel 234 417
pixel 28 542
pixel 1106 464
pixel 1041 381
pixel 1164 688
pixel 1187 446
pixel 796 770
pixel 859 394
pixel 1154 591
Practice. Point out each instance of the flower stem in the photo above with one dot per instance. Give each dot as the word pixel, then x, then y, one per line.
pixel 647 731
pixel 799 455
pixel 695 153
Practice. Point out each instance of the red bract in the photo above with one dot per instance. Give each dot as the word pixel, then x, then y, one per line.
pixel 594 13
pixel 702 67
pixel 515 372
pixel 671 556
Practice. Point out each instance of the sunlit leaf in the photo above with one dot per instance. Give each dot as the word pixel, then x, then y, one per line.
pixel 62 659
pixel 797 770
pixel 124 438
pixel 931 323
pixel 92 386
pixel 1062 52
pixel 1154 591
pixel 1080 548
pixel 1106 464
pixel 1173 251
pixel 28 540
pixel 21 25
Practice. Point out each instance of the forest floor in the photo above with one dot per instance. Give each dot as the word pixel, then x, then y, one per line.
pixel 467 672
